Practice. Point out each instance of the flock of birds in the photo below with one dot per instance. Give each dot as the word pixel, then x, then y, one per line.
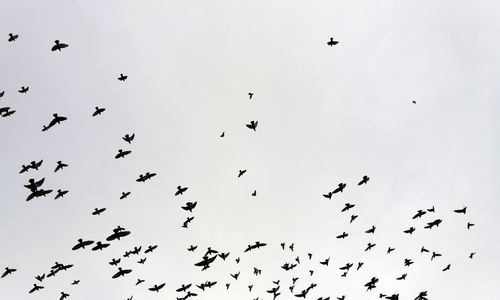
pixel 210 257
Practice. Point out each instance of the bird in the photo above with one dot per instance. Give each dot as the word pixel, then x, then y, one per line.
pixel 353 217
pixel 414 102
pixel 435 254
pixel 60 166
pixel 2 93
pixel 100 246
pixel 98 111
pixel 342 236
pixel 419 214
pixel 188 220
pixel 7 272
pixel 121 272
pixel 328 195
pixel 340 188
pixel 8 113
pixel 331 42
pixel 447 268
pixel 360 264
pixel 433 223
pixel 150 249
pixel 157 288
pixel 461 211
pixel 402 277
pixel 139 281
pixel 325 262
pixel 13 37
pixel 34 185
pixel 389 250
pixel 410 230
pixel 348 206
pixel 469 225
pixel 128 138
pixel 36 288
pixel 124 195
pixel 241 172
pixel 224 255
pixel 82 244
pixel 369 246
pixel 122 154
pixel 250 95
pixel 98 211
pixel 60 193
pixel 472 255
pixel 58 45
pixel 431 209
pixel 122 77
pixel 180 190
pixel 75 282
pixel 192 248
pixel 40 277
pixel 364 180
pixel 63 296
pixel 408 262
pixel 236 275
pixel 253 125
pixel 56 120
pixel 422 250
pixel 24 89
pixel 115 262
pixel 141 261
pixel 222 134
pixel 371 230
pixel 183 288
pixel 254 193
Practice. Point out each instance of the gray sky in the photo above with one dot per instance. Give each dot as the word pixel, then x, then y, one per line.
pixel 326 115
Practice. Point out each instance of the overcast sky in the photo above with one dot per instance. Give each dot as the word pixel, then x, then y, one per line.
pixel 325 115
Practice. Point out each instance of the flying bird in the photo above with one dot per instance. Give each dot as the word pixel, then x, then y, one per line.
pixel 24 89
pixel 340 188
pixel 36 288
pixel 60 166
pixel 253 125
pixel 98 111
pixel 364 180
pixel 82 244
pixel 180 190
pixel 122 154
pixel 121 272
pixel 461 211
pixel 122 77
pixel 331 42
pixel 128 138
pixel 13 37
pixel 60 193
pixel 58 45
pixel 7 272
pixel 241 172
pixel 56 120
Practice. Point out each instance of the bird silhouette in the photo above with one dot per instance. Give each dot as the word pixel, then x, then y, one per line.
pixel 253 125
pixel 150 249
pixel 325 262
pixel 369 246
pixel 471 255
pixel 60 193
pixel 60 166
pixel 250 95
pixel 331 42
pixel 180 190
pixel 13 37
pixel 364 180
pixel 241 172
pixel 186 223
pixel 447 268
pixel 24 89
pixel 98 111
pixel 139 281
pixel 82 244
pixel 419 214
pixel 58 46
pixel 371 230
pixel 56 120
pixel 100 246
pixel 342 236
pixel 461 211
pixel 36 288
pixel 410 230
pixel 348 206
pixel 192 248
pixel 129 138
pixel 115 262
pixel 122 154
pixel 222 134
pixel 389 250
pixel 435 254
pixel 124 195
pixel 7 272
pixel 433 223
pixel 40 277
pixel 122 77
pixel 121 272
pixel 340 188
pixel 63 296
pixel 469 225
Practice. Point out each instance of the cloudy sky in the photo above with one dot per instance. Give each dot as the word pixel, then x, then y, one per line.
pixel 326 115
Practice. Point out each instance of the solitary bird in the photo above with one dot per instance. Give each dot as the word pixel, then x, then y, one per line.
pixel 122 77
pixel 461 211
pixel 24 89
pixel 447 268
pixel 253 125
pixel 241 172
pixel 63 296
pixel 469 225
pixel 124 195
pixel 13 37
pixel 58 45
pixel 331 42
pixel 150 249
pixel 410 230
pixel 98 111
pixel 364 180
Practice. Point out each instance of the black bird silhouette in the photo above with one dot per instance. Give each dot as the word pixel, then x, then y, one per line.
pixel 142 261
pixel 24 169
pixel 143 178
pixel 183 288
pixel 189 206
pixel 360 264
pixel 98 111
pixel 472 255
pixel 325 262
pixel 36 288
pixel 115 262
pixel 250 95
pixel 461 211
pixel 34 185
pixel 122 154
pixel 7 272
pixel 58 45
pixel 124 195
pixel 222 134
pixel 348 206
pixel 331 42
pixel 35 165
pixel 13 37
pixel 410 230
pixel 402 277
pixel 122 77
pixel 188 220
pixel 205 263
pixel 408 262
pixel 63 296
pixel 254 193
pixel 40 277
pixel 236 275
pixel 469 225
pixel 447 268
pixel 57 120
pixel 434 254
pixel 60 193
pixel 139 281
pixel 224 255
pixel 414 102
pixel 257 245
pixel 98 211
pixel 180 190
pixel 364 180
pixel 150 249
pixel 121 272
pixel 192 248
pixel 371 284
pixel 389 250
pixel 100 246
pixel 346 267
pixel 117 234
pixel 253 125
pixel 60 166
pixel 75 282
pixel 129 138
pixel 340 188
pixel 241 172
pixel 431 209
pixel 342 236
pixel 433 223
pixel 2 93
pixel 5 112
pixel 369 246
pixel 38 193
pixel 353 217
pixel 422 296
pixel 371 230
pixel 82 244
pixel 328 195
pixel 24 89
pixel 422 250
pixel 419 214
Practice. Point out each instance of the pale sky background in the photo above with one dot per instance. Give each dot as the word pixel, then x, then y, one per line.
pixel 326 115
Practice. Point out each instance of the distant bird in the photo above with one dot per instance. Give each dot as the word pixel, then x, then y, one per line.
pixel 122 77
pixel 121 272
pixel 414 102
pixel 186 223
pixel 150 249
pixel 369 246
pixel 100 246
pixel 124 195
pixel 410 230
pixel 98 211
pixel 422 296
pixel 419 214
pixel 422 250
pixel 254 193
pixel 250 95
pixel 331 42
pixel 348 206
pixel 408 262
pixel 75 282
pixel 236 275
pixel 371 230
pixel 36 288
pixel 431 209
pixel 142 261
pixel 115 262
pixel 192 248
pixel 253 125
pixel 129 138
pixel 222 134
pixel 183 288
pixel 7 272
pixel 40 277
pixel 34 185
pixel 360 264
pixel 82 244
pixel 364 180
pixel 469 225
pixel 342 236
pixel 224 255
pixel 433 223
pixel 13 37
pixel 139 281
pixel 402 277
pixel 63 296
pixel 241 172
pixel 24 89
pixel 2 93
pixel 98 111
pixel 60 166
pixel 353 217
pixel 325 262
pixel 144 177
pixel 461 211
pixel 122 154
pixel 472 255
pixel 7 113
pixel 60 193
pixel 58 45
pixel 447 268
pixel 180 190
pixel 435 254
pixel 389 250
pixel 328 195
pixel 57 120
pixel 340 188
